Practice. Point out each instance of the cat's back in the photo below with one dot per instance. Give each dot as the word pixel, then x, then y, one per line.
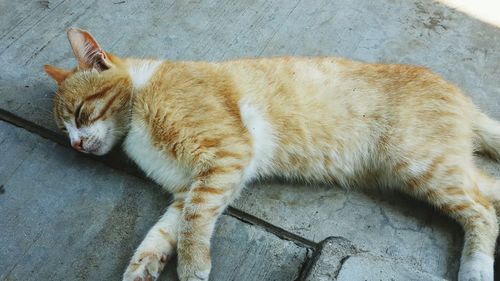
pixel 342 91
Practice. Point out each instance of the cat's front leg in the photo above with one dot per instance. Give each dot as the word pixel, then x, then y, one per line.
pixel 158 246
pixel 206 200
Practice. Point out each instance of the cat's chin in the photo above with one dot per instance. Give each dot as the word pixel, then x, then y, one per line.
pixel 102 146
pixel 98 150
pixel 102 150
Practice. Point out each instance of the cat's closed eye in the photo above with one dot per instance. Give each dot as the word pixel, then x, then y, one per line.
pixel 78 111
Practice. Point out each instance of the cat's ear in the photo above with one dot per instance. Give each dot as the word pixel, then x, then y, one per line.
pixel 58 74
pixel 87 51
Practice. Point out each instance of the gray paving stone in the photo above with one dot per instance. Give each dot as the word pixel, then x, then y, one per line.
pixel 338 259
pixel 385 224
pixel 327 261
pixel 66 217
pixel 247 253
pixel 365 267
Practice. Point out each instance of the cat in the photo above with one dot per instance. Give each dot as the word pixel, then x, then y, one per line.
pixel 203 130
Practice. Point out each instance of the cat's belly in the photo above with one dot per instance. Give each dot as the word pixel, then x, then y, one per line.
pixel 157 165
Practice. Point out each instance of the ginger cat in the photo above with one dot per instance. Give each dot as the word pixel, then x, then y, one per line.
pixel 202 130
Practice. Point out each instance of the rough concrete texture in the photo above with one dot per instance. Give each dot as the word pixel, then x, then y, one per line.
pixel 387 224
pixel 367 267
pixel 338 259
pixel 327 261
pixel 66 217
pixel 461 48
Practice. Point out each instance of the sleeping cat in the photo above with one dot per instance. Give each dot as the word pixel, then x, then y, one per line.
pixel 203 130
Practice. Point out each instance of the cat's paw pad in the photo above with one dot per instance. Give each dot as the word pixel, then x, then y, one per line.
pixel 145 266
pixel 477 267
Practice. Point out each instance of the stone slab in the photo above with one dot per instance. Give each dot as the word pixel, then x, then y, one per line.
pixel 383 223
pixel 328 259
pixel 366 267
pixel 67 217
pixel 338 259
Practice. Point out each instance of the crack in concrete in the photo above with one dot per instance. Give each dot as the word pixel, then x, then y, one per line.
pixel 268 227
pixel 306 264
pixel 341 264
pixel 388 221
pixel 344 249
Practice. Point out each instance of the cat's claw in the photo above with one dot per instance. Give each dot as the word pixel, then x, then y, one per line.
pixel 145 267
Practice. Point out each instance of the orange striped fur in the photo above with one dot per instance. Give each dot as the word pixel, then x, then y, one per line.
pixel 202 130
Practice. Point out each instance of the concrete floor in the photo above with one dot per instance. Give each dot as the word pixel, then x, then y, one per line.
pixel 463 49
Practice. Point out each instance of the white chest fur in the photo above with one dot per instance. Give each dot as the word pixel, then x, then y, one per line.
pixel 157 165
pixel 263 139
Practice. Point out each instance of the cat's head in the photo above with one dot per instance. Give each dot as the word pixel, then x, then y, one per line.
pixel 92 100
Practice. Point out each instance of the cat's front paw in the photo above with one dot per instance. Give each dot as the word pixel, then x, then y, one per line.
pixel 195 276
pixel 194 262
pixel 477 267
pixel 188 272
pixel 145 266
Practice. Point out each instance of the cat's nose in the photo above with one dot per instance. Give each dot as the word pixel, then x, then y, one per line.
pixel 77 144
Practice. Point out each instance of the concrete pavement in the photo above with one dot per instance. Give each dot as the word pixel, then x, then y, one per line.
pixel 59 228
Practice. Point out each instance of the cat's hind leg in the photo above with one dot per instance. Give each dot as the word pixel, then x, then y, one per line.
pixel 158 246
pixel 453 187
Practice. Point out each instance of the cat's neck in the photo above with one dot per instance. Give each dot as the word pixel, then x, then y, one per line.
pixel 135 76
pixel 141 71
